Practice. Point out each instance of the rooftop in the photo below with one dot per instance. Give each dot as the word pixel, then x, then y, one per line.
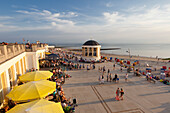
pixel 91 43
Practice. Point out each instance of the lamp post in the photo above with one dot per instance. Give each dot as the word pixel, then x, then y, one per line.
pixel 129 53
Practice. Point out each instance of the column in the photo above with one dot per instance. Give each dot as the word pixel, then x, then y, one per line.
pixel 23 68
pixel 97 52
pixel 24 64
pixel 92 51
pixel 19 66
pixel 82 51
pixel 7 81
pixel 15 74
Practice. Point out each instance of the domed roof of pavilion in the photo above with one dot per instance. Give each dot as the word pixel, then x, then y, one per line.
pixel 91 43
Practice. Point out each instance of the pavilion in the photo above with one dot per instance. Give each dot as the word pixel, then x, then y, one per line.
pixel 91 51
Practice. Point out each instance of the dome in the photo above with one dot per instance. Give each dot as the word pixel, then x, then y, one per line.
pixel 91 43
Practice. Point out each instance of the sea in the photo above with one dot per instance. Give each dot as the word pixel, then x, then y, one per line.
pixel 143 50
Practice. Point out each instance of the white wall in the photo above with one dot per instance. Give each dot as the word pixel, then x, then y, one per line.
pixel 6 65
pixel 32 59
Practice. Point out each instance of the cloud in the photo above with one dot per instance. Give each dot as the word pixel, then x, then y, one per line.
pixel 155 17
pixel 109 4
pixel 5 17
pixel 136 9
pixel 49 16
pixel 138 22
pixel 113 17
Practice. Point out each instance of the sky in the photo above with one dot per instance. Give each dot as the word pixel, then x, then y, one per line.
pixel 75 21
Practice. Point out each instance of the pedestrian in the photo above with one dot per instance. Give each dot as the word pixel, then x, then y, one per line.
pixel 117 94
pixel 102 79
pixel 126 77
pixel 110 77
pixel 93 66
pixel 108 71
pixel 107 77
pixel 121 94
pixel 104 69
pixel 114 66
pixel 99 79
pixel 115 79
pixel 121 69
pixel 88 68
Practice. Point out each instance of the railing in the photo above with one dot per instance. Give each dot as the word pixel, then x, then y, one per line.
pixel 35 47
pixel 9 51
pixel 12 50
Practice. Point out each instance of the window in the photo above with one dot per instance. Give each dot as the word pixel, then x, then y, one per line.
pixel 85 51
pixel 94 52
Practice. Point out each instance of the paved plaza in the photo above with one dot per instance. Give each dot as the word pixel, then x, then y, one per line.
pixel 140 96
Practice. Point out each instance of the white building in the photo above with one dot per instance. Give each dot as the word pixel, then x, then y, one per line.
pixel 91 51
pixel 15 60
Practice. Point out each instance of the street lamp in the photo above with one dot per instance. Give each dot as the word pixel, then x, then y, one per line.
pixel 129 53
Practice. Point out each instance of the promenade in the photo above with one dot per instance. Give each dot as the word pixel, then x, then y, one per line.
pixel 140 96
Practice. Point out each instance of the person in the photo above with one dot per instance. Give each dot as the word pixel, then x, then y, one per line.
pixel 108 71
pixel 117 94
pixel 110 77
pixel 114 66
pixel 107 77
pixel 104 69
pixel 102 79
pixel 121 68
pixel 93 66
pixel 121 94
pixel 99 79
pixel 88 68
pixel 126 77
pixel 115 79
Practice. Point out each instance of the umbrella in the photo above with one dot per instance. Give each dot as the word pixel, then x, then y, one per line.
pixel 32 90
pixel 53 55
pixel 38 106
pixel 47 53
pixel 35 76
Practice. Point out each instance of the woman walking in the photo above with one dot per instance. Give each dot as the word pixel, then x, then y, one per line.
pixel 121 94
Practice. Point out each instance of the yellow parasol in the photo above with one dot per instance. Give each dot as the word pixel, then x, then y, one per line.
pixel 38 106
pixel 35 76
pixel 32 90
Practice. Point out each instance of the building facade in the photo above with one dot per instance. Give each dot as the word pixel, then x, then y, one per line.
pixel 15 60
pixel 91 51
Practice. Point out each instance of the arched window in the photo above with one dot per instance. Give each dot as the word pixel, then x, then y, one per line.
pixel 94 52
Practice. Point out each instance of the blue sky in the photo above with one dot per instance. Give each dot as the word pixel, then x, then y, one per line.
pixel 71 21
